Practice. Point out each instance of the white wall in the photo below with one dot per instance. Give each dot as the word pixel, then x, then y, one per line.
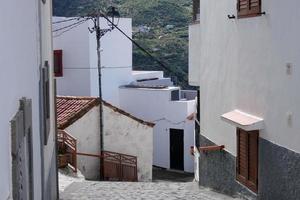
pixel 125 135
pixel 121 134
pixel 20 61
pixel 155 106
pixel 80 60
pixel 243 66
pixel 194 53
pixel 87 132
pixel 138 75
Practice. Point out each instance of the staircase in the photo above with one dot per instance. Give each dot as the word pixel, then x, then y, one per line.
pixel 67 150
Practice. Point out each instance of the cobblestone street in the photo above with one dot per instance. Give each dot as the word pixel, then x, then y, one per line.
pixel 145 191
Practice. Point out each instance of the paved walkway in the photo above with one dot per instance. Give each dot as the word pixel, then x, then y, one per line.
pixel 162 175
pixel 142 191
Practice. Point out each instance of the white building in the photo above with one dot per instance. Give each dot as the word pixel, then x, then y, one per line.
pixel 123 133
pixel 155 99
pixel 78 47
pixel 247 67
pixel 79 59
pixel 27 145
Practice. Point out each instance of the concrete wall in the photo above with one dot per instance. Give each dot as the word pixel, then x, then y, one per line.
pixel 137 75
pixel 194 54
pixel 20 60
pixel 121 134
pixel 125 135
pixel 86 131
pixel 156 106
pixel 244 66
pixel 80 60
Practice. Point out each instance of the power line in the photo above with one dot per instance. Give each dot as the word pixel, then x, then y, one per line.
pixel 74 26
pixel 65 27
pixel 66 20
pixel 138 45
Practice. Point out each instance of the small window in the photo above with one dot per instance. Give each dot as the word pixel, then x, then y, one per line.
pixel 58 63
pixel 247 158
pixel 196 10
pixel 175 95
pixel 248 8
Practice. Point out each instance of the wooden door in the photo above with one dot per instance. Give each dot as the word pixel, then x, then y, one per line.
pixel 176 149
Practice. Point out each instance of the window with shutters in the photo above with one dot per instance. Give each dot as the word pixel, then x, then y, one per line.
pixel 58 63
pixel 248 8
pixel 247 158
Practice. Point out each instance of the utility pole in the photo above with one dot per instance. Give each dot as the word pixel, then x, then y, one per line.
pixel 99 33
pixel 98 37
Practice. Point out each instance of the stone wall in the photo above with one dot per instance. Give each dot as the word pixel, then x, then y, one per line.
pixel 279 172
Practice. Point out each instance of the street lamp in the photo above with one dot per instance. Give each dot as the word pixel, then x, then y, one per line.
pixel 114 14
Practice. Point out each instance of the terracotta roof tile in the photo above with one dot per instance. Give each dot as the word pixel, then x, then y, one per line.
pixel 70 109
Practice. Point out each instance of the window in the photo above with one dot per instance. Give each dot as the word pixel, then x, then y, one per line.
pixel 196 10
pixel 58 63
pixel 248 8
pixel 247 158
pixel 175 95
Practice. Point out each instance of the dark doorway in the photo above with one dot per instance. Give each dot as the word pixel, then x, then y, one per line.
pixel 176 149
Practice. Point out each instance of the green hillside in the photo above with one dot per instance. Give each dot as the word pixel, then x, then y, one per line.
pixel 161 26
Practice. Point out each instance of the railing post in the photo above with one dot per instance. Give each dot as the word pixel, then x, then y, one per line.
pixel 121 168
pixel 75 156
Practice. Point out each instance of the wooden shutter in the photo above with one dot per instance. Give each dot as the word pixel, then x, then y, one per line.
pixel 247 158
pixel 58 63
pixel 248 8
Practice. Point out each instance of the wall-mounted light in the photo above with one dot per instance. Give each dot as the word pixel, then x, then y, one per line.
pixel 231 16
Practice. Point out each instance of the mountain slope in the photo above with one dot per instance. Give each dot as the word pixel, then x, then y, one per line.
pixel 161 26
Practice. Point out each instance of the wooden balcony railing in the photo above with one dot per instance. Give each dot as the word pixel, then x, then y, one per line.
pixel 67 148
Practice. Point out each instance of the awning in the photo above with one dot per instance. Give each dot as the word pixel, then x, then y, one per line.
pixel 243 120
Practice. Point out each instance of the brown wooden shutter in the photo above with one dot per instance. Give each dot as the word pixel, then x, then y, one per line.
pixel 253 160
pixel 58 63
pixel 247 158
pixel 248 8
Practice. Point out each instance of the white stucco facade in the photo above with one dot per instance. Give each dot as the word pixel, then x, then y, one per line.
pixel 155 105
pixel 122 134
pixel 86 130
pixel 252 65
pixel 80 73
pixel 24 49
pixel 194 54
pixel 127 136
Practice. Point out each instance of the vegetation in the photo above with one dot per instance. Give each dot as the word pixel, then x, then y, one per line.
pixel 161 26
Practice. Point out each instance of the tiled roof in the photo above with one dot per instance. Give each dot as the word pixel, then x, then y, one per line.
pixel 70 109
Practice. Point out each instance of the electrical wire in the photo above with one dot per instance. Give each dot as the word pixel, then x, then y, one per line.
pixel 70 28
pixel 171 122
pixel 66 20
pixel 65 27
pixel 138 45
